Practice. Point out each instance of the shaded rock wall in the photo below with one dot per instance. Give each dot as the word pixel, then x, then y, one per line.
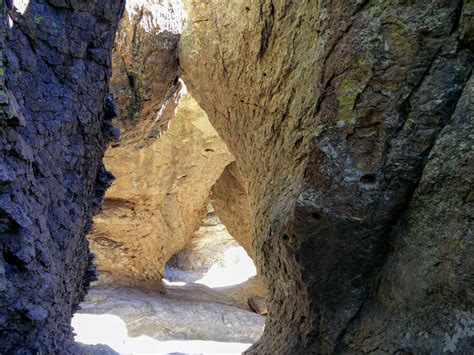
pixel 331 110
pixel 429 266
pixel 232 204
pixel 55 121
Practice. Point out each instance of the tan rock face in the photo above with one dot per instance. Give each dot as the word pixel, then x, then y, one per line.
pixel 157 199
pixel 166 162
pixel 331 110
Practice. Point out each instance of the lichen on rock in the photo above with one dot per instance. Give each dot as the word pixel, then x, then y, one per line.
pixel 331 111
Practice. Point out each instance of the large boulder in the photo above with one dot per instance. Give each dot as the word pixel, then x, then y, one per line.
pixel 332 110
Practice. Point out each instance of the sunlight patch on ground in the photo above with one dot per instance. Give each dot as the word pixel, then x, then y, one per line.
pixel 112 331
pixel 235 268
pixel 174 283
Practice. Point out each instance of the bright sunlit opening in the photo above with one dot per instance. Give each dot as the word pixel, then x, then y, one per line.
pixel 167 15
pixel 112 331
pixel 235 268
pixel 21 5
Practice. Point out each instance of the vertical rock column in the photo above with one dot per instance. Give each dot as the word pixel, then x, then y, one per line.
pixel 331 110
pixel 55 121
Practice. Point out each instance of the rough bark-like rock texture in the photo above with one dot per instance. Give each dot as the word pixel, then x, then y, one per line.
pixel 158 198
pixel 427 279
pixel 331 110
pixel 55 121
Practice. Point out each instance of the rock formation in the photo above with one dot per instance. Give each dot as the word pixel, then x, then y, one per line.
pixel 165 318
pixel 145 61
pixel 351 127
pixel 206 246
pixel 55 121
pixel 213 257
pixel 168 158
pixel 157 201
pixel 232 204
pixel 340 116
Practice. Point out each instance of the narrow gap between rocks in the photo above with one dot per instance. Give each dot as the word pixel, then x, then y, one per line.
pixel 172 277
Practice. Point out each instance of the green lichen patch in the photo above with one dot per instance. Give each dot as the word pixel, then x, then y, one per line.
pixel 349 88
pixel 38 19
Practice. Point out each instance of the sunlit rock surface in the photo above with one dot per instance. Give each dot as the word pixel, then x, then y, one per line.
pixel 166 162
pixel 162 15
pixel 157 200
pixel 131 321
pixel 213 258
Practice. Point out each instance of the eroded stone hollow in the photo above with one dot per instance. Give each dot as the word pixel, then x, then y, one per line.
pixel 350 123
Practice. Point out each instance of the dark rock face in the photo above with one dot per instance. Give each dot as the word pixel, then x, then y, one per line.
pixel 55 121
pixel 145 66
pixel 426 282
pixel 349 120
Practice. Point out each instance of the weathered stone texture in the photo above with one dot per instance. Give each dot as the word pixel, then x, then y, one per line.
pixel 145 65
pixel 158 198
pixel 426 283
pixel 55 121
pixel 331 110
pixel 167 160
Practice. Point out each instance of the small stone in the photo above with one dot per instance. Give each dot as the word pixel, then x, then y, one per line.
pixel 6 174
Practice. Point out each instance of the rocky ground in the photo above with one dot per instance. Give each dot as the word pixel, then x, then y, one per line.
pixel 188 319
pixel 205 307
